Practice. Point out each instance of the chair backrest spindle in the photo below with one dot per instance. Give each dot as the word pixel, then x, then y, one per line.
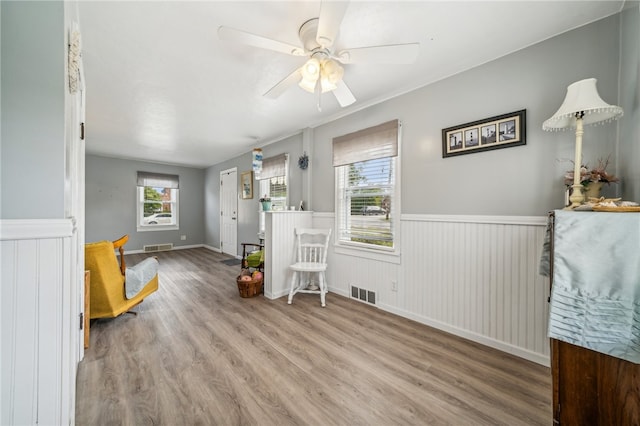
pixel 312 245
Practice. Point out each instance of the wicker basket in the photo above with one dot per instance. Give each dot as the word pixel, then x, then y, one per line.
pixel 249 288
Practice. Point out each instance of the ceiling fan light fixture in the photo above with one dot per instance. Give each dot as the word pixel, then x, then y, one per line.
pixel 327 85
pixel 323 72
pixel 311 70
pixel 332 71
pixel 308 85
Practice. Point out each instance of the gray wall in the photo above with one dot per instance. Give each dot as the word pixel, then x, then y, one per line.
pixel 629 158
pixel 110 198
pixel 525 180
pixel 33 86
pixel 248 209
pixel 520 181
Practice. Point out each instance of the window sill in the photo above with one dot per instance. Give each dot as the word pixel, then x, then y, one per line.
pixel 365 253
pixel 146 228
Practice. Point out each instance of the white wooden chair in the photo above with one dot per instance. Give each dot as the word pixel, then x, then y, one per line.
pixel 311 258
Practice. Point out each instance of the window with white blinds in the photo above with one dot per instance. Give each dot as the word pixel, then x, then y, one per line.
pixel 274 179
pixel 158 180
pixel 157 201
pixel 375 142
pixel 274 167
pixel 366 186
pixel 275 188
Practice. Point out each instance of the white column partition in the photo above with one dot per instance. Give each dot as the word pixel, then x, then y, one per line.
pixel 39 326
pixel 279 245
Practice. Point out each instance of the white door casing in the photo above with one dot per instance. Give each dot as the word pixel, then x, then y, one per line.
pixel 228 212
pixel 74 200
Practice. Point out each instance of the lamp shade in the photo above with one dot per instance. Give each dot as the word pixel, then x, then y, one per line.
pixel 310 73
pixel 311 69
pixel 582 97
pixel 332 71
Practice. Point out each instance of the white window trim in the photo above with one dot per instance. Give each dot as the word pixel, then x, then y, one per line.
pixel 141 227
pixel 390 256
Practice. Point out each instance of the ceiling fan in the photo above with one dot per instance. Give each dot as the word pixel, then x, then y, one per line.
pixel 322 72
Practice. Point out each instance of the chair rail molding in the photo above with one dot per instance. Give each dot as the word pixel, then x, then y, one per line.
pixel 28 229
pixel 503 220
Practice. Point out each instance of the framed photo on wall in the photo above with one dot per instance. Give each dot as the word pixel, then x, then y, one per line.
pixel 246 184
pixel 501 131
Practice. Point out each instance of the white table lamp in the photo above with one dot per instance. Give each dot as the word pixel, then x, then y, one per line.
pixel 582 106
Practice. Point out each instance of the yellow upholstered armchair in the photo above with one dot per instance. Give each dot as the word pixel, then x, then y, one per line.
pixel 115 288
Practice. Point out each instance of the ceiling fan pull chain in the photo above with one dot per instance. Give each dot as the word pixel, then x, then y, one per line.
pixel 319 92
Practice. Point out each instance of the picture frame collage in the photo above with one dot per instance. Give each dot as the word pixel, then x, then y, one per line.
pixel 501 131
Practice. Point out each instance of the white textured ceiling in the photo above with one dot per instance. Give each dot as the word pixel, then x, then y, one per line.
pixel 161 86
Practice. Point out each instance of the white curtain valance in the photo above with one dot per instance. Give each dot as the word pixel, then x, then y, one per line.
pixel 273 167
pixel 368 144
pixel 158 180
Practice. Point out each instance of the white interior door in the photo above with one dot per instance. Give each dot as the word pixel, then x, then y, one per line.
pixel 228 212
pixel 74 204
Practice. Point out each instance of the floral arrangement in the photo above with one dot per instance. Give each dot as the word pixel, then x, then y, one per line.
pixel 265 198
pixel 596 174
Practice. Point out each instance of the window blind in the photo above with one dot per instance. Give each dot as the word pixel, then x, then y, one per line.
pixel 368 144
pixel 276 189
pixel 366 195
pixel 273 167
pixel 158 180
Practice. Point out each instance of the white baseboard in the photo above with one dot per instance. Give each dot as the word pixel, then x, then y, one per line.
pixel 483 340
pixel 277 295
pixel 216 249
pixel 174 248
pixel 338 291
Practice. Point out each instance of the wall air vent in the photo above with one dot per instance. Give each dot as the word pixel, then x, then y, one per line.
pixel 363 295
pixel 157 247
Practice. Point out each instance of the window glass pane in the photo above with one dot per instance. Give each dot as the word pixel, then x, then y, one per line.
pixel 278 192
pixel 365 200
pixel 274 188
pixel 159 206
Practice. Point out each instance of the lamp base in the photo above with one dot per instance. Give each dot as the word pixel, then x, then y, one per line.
pixel 576 198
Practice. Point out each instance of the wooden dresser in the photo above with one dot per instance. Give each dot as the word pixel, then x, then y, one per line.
pixel 591 387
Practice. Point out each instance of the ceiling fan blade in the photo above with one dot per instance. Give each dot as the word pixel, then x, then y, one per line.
pixel 283 85
pixel 391 54
pixel 239 36
pixel 331 14
pixel 343 94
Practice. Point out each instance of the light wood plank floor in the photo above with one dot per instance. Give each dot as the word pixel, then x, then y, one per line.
pixel 198 354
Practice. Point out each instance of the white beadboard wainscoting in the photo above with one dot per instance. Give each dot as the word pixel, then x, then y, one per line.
pixel 472 276
pixel 279 249
pixel 38 349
